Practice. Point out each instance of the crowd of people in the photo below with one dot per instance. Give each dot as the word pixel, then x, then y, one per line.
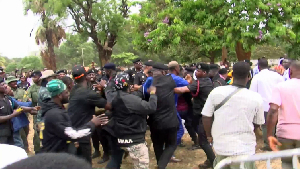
pixel 221 108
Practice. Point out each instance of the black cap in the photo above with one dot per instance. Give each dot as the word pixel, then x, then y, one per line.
pixel 213 66
pixel 160 66
pixel 110 66
pixel 223 71
pixel 36 73
pixel 62 71
pixel 189 69
pixel 78 72
pixel 92 70
pixel 202 66
pixel 136 60
pixel 149 63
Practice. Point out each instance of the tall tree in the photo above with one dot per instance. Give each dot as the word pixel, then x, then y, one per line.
pixel 49 34
pixel 209 26
pixel 101 20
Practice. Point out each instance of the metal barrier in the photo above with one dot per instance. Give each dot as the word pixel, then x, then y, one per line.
pixel 261 157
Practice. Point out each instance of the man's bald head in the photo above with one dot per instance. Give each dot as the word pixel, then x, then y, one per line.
pixel 295 69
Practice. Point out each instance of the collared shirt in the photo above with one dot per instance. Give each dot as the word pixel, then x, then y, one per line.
pixel 264 83
pixel 180 82
pixel 139 78
pixel 255 70
pixel 233 129
pixel 287 96
pixel 222 77
pixel 286 74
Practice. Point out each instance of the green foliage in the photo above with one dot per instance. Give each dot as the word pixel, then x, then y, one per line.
pixel 2 61
pixel 207 25
pixel 11 67
pixel 103 21
pixel 124 59
pixel 76 50
pixel 29 63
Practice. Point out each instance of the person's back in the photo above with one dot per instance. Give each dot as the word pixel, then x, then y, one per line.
pixel 165 116
pixel 264 83
pixel 240 112
pixel 287 94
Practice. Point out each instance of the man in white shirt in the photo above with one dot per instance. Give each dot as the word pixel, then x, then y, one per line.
pixel 232 129
pixel 263 83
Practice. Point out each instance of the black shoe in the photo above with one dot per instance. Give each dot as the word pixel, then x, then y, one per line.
pixel 194 147
pixel 205 165
pixel 96 154
pixel 104 159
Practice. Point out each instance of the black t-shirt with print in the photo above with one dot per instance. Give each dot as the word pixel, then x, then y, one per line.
pixel 6 108
pixel 166 114
pixel 200 90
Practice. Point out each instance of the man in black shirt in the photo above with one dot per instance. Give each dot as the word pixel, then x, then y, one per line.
pixel 130 114
pixel 200 90
pixel 82 108
pixel 138 65
pixel 8 110
pixel 164 122
pixel 141 76
pixel 219 79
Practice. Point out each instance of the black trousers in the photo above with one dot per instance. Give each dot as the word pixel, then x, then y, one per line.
pixel 104 138
pixel 95 140
pixel 7 140
pixel 164 144
pixel 188 118
pixel 204 144
pixel 85 151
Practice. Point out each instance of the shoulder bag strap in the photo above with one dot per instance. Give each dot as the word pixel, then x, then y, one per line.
pixel 227 98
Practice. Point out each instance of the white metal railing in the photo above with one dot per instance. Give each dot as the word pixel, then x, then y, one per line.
pixel 261 157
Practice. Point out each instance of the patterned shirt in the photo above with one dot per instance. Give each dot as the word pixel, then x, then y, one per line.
pixel 233 129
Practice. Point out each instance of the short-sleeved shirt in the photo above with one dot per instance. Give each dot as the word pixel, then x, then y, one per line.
pixel 200 90
pixel 139 78
pixel 287 96
pixel 233 129
pixel 6 108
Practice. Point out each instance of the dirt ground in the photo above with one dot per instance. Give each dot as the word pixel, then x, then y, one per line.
pixel 190 158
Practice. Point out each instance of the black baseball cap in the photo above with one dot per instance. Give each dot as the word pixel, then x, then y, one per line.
pixel 78 71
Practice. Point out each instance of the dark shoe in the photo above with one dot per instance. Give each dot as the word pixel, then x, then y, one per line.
pixel 205 165
pixel 104 159
pixel 175 160
pixel 126 154
pixel 267 148
pixel 194 147
pixel 96 154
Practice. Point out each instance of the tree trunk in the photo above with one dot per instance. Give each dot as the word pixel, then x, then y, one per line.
pixel 104 56
pixel 212 57
pixel 224 54
pixel 50 50
pixel 240 52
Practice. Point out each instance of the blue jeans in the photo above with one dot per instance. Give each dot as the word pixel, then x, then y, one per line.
pixel 180 131
pixel 17 139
